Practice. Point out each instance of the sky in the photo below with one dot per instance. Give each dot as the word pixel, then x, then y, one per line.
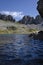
pixel 19 8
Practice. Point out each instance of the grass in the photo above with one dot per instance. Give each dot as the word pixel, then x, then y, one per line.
pixel 15 28
pixel 18 31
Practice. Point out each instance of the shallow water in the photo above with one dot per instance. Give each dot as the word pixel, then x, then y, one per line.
pixel 20 50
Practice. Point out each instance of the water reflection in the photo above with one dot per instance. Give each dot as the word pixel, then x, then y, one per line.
pixel 20 50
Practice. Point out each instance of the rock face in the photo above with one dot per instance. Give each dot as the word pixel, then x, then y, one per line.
pixel 27 20
pixel 6 17
pixel 30 20
pixel 40 7
pixel 3 17
pixel 38 19
pixel 38 36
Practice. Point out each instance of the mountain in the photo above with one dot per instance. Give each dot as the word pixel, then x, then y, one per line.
pixel 38 19
pixel 6 17
pixel 30 20
pixel 26 20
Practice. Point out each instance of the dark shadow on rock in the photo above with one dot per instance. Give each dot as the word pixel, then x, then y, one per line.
pixel 38 36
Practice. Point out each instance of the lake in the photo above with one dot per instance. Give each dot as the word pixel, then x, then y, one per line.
pixel 16 49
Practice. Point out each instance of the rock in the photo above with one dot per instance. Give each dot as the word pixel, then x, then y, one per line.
pixel 27 20
pixel 40 7
pixel 30 20
pixel 2 16
pixel 31 35
pixel 7 17
pixel 38 19
pixel 39 36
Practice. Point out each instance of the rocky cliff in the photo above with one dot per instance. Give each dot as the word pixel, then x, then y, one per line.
pixel 7 17
pixel 40 7
pixel 31 20
pixel 39 36
pixel 26 20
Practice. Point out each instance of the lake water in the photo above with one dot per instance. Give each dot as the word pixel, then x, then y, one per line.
pixel 16 49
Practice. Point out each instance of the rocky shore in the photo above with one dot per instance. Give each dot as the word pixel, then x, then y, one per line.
pixel 38 36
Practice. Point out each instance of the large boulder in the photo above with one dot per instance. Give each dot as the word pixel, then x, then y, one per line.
pixel 40 7
pixel 38 36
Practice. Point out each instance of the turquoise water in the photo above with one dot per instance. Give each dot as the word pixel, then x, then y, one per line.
pixel 20 50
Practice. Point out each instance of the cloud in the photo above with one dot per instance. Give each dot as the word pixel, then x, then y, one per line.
pixel 14 14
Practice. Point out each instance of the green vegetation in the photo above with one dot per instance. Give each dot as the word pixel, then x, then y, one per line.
pixel 18 31
pixel 32 30
pixel 15 28
pixel 11 28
